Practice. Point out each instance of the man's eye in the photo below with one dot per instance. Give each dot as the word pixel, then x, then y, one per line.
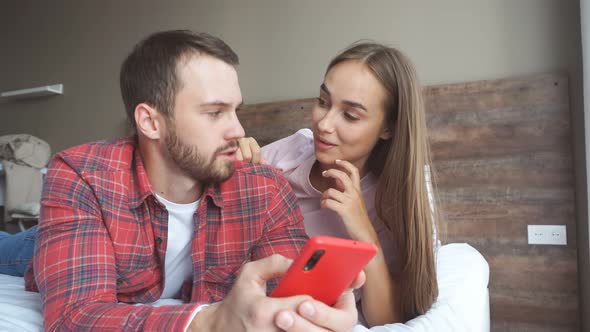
pixel 214 114
pixel 321 101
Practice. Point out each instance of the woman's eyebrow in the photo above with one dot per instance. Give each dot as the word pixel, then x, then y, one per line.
pixel 350 103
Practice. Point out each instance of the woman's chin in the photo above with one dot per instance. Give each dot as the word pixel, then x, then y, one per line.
pixel 325 158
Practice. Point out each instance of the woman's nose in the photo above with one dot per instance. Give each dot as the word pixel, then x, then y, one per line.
pixel 326 123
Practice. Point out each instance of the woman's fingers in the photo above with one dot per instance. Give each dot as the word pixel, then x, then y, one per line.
pixel 249 150
pixel 334 194
pixel 352 171
pixel 341 178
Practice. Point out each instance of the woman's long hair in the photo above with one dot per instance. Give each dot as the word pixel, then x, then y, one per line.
pixel 400 163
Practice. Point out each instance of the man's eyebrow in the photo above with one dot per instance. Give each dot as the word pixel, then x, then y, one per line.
pixel 220 103
pixel 350 103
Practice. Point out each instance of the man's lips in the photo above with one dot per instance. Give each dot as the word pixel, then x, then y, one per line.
pixel 228 154
pixel 229 151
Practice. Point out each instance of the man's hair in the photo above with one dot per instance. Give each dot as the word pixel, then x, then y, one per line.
pixel 149 73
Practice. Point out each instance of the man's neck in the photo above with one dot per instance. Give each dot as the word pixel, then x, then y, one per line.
pixel 167 179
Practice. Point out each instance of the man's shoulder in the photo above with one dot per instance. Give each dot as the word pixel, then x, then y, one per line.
pixel 256 185
pixel 104 155
pixel 249 179
pixel 249 170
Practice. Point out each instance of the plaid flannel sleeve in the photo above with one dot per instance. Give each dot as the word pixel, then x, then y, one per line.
pixel 74 265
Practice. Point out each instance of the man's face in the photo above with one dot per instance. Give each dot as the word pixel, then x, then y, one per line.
pixel 202 131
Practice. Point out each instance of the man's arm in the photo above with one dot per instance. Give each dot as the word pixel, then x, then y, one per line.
pixel 74 265
pixel 247 308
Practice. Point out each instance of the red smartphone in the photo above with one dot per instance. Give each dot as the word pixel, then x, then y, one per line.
pixel 325 268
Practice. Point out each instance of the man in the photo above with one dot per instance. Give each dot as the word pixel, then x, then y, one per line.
pixel 170 214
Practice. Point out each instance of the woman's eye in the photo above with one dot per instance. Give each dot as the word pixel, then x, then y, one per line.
pixel 350 116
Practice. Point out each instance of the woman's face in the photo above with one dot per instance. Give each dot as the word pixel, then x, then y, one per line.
pixel 348 117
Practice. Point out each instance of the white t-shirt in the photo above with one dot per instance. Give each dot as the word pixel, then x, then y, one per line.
pixel 178 265
pixel 295 156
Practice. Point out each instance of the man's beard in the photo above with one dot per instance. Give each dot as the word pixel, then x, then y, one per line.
pixel 191 162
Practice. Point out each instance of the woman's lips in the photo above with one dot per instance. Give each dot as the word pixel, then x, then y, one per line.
pixel 323 145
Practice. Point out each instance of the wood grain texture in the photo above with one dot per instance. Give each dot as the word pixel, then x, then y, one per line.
pixel 502 157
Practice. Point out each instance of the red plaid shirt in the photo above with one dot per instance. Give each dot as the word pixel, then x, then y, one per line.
pixel 102 239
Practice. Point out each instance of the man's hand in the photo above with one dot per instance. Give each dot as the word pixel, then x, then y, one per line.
pixel 249 151
pixel 247 308
pixel 316 316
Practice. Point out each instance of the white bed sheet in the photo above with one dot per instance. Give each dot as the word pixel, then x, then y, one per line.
pixel 462 305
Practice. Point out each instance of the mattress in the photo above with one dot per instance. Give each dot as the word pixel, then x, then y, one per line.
pixel 462 305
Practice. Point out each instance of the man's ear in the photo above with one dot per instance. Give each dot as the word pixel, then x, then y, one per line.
pixel 148 121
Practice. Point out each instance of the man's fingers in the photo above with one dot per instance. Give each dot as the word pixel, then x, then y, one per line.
pixel 291 322
pixel 359 281
pixel 315 314
pixel 266 268
pixel 341 315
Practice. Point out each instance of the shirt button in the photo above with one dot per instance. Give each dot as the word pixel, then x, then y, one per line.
pixel 159 240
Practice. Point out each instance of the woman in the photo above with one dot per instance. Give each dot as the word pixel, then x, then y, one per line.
pixel 360 173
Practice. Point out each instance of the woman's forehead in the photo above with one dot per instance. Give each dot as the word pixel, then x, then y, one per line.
pixel 355 82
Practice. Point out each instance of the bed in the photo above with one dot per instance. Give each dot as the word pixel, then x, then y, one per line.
pixel 462 304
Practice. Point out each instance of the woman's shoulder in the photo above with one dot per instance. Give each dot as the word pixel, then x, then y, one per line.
pixel 290 152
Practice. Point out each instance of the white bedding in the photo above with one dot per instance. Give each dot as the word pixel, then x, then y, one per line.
pixel 462 305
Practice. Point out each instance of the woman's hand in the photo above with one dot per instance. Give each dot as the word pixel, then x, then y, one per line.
pixel 249 151
pixel 348 202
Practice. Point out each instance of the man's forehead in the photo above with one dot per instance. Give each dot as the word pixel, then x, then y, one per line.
pixel 212 80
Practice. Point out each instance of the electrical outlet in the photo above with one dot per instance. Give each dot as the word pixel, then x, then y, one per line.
pixel 547 234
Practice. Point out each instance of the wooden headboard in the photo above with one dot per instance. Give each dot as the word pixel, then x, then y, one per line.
pixel 502 153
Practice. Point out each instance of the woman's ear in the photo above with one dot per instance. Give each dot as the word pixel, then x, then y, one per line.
pixel 385 133
pixel 147 120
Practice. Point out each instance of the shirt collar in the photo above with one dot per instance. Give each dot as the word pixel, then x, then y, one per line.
pixel 144 186
pixel 216 191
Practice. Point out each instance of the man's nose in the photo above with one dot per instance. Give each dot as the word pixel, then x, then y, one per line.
pixel 235 128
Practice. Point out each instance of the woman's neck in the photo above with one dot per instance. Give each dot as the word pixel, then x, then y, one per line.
pixel 317 180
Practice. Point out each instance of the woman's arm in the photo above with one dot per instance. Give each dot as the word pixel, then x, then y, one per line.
pixel 379 302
